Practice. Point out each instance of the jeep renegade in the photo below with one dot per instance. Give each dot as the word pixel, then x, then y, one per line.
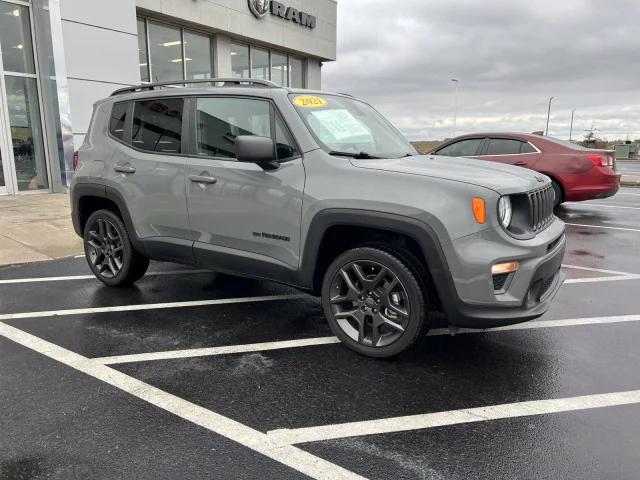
pixel 318 191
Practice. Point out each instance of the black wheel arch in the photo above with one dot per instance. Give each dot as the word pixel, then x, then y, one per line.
pixel 86 198
pixel 433 259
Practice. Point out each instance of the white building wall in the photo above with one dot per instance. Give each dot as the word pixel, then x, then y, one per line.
pixel 234 18
pixel 101 54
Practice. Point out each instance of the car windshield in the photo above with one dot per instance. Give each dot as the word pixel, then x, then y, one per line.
pixel 348 127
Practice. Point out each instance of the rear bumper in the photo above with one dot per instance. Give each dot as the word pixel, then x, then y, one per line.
pixel 597 183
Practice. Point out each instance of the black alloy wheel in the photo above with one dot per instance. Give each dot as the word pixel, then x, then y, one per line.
pixel 373 302
pixel 109 251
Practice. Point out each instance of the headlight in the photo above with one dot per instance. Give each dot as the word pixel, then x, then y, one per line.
pixel 505 212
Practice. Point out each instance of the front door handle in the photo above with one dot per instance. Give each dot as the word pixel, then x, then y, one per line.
pixel 203 179
pixel 124 169
pixel 521 164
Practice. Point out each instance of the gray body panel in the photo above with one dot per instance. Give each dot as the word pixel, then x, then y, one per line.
pixel 270 223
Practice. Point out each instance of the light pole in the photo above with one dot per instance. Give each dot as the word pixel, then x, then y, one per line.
pixel 456 82
pixel 549 115
pixel 571 129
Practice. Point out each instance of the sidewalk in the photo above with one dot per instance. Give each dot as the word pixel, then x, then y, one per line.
pixel 35 228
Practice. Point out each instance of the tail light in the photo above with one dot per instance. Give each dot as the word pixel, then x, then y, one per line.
pixel 601 160
pixel 76 157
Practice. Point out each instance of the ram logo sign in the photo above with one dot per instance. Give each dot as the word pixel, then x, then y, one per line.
pixel 261 7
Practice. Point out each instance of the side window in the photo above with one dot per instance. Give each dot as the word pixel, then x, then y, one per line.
pixel 527 148
pixel 503 146
pixel 463 148
pixel 285 146
pixel 220 120
pixel 157 125
pixel 118 120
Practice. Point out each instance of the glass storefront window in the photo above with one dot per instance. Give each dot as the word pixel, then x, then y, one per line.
pixel 26 133
pixel 165 45
pixel 259 63
pixel 198 57
pixel 142 50
pixel 296 66
pixel 279 69
pixel 17 48
pixel 239 60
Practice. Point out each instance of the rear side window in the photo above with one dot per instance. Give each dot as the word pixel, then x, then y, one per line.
pixel 118 120
pixel 220 120
pixel 157 125
pixel 503 146
pixel 463 148
pixel 527 148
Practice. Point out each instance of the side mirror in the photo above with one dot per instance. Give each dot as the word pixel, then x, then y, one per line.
pixel 253 149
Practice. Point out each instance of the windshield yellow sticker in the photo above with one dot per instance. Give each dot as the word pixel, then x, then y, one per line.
pixel 308 101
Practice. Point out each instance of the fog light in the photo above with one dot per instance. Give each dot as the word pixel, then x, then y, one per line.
pixel 502 268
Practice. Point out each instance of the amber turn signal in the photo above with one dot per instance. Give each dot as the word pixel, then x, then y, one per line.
pixel 479 210
pixel 502 268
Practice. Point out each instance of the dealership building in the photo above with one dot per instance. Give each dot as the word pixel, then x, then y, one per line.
pixel 59 56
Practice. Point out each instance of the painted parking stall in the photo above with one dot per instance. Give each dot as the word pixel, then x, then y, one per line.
pixel 190 373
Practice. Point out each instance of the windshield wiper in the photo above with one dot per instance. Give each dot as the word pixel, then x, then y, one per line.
pixel 358 156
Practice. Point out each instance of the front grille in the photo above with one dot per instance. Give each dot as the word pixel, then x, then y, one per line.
pixel 541 203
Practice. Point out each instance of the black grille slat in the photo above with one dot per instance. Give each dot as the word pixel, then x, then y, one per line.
pixel 541 204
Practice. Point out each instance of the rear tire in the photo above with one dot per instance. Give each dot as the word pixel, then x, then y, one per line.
pixel 109 252
pixel 373 302
pixel 557 190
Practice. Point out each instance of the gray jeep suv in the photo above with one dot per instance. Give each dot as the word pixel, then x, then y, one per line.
pixel 318 191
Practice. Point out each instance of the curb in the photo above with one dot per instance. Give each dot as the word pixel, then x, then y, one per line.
pixel 630 181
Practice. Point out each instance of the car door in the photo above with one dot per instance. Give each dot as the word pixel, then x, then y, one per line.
pixel 511 151
pixel 244 218
pixel 148 171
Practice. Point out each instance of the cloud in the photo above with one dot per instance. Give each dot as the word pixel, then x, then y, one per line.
pixel 509 55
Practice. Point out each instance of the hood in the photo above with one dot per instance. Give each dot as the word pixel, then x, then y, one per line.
pixel 504 179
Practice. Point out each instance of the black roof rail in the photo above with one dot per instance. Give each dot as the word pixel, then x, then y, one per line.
pixel 224 81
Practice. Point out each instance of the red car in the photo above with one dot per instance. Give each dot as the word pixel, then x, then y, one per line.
pixel 577 173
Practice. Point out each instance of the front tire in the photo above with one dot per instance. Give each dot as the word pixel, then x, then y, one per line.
pixel 109 252
pixel 373 302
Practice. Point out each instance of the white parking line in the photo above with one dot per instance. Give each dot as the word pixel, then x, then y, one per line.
pixel 615 275
pixel 92 277
pixel 602 205
pixel 290 456
pixel 628 193
pixel 309 342
pixel 149 306
pixel 597 270
pixel 213 351
pixel 453 417
pixel 602 226
pixel 601 279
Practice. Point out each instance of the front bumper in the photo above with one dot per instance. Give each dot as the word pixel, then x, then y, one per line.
pixel 527 295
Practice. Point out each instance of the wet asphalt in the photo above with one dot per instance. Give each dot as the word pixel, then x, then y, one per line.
pixel 59 423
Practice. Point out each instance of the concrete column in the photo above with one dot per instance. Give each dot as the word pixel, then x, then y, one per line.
pixel 313 73
pixel 222 56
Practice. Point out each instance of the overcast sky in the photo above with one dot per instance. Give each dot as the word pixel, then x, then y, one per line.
pixel 509 55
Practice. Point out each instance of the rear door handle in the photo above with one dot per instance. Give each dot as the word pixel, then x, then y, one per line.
pixel 124 169
pixel 203 179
